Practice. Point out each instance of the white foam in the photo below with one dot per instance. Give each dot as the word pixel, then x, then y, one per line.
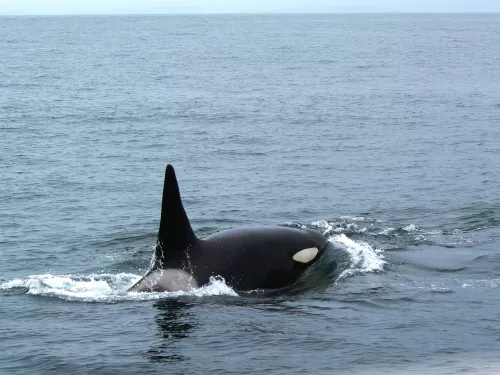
pixel 387 231
pixel 434 232
pixel 410 228
pixel 354 218
pixel 109 288
pixel 337 227
pixel 364 258
pixel 355 228
pixel 324 225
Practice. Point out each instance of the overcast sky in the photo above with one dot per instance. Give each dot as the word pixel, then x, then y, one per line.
pixel 231 6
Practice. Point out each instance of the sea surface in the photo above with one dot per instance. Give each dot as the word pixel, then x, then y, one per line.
pixel 381 131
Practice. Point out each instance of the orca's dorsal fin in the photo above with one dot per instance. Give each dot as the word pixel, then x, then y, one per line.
pixel 175 233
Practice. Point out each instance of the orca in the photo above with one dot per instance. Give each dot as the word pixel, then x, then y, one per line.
pixel 249 258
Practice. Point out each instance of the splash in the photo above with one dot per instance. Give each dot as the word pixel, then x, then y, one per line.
pixel 344 224
pixel 106 288
pixel 389 236
pixel 364 258
pixel 410 228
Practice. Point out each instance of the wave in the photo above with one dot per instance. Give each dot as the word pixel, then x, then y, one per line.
pixel 359 258
pixel 395 237
pixel 107 288
pixel 363 257
pixel 359 244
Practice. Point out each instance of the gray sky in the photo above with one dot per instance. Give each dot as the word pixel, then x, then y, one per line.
pixel 232 6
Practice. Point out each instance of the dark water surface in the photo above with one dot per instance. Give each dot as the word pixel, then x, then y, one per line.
pixel 382 131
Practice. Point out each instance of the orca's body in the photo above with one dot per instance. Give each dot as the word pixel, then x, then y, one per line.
pixel 247 258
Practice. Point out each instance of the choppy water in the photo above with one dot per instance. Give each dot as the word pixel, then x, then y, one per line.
pixel 382 131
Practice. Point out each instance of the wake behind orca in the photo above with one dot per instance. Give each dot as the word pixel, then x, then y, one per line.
pixel 247 258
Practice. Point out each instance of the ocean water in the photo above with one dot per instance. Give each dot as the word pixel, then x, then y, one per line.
pixel 381 131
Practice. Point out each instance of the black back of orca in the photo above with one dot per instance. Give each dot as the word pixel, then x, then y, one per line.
pixel 247 258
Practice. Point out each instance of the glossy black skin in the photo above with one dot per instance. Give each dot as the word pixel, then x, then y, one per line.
pixel 250 258
pixel 247 258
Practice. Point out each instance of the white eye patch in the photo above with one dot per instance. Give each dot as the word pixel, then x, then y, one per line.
pixel 306 255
